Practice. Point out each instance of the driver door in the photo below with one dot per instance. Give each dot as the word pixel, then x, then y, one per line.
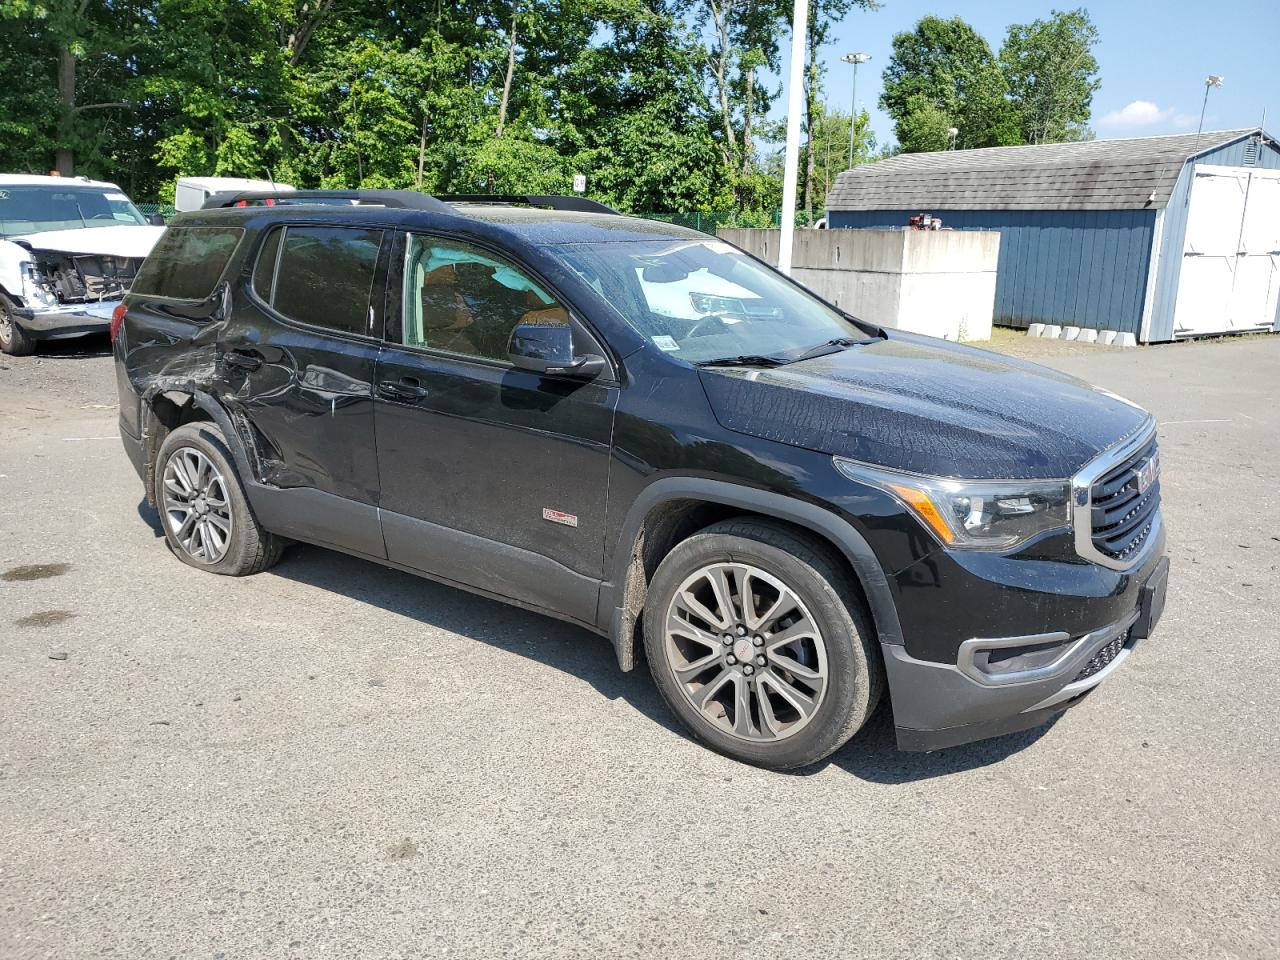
pixel 490 476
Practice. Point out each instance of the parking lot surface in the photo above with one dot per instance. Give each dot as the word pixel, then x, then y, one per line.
pixel 336 759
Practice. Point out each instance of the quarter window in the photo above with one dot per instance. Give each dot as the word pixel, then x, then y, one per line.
pixel 187 262
pixel 325 277
pixel 264 274
pixel 462 300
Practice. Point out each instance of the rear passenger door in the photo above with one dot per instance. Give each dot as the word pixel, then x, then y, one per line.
pixel 301 351
pixel 491 476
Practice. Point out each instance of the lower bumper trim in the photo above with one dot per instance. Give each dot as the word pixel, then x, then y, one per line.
pixel 68 320
pixel 926 741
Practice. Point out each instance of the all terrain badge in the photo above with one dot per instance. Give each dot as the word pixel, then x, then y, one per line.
pixel 559 516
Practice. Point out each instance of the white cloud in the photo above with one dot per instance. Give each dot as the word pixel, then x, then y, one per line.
pixel 1144 113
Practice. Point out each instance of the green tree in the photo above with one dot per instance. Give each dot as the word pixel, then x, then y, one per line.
pixel 944 68
pixel 828 146
pixel 1052 75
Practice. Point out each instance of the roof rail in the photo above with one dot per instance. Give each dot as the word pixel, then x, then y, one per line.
pixel 401 199
pixel 575 204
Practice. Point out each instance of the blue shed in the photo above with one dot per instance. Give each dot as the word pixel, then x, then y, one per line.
pixel 1161 237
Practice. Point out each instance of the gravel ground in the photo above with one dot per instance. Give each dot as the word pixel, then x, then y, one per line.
pixel 334 759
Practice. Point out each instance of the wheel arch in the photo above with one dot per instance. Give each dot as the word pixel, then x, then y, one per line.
pixel 166 410
pixel 671 509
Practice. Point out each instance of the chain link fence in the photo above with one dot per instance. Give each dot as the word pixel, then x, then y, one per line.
pixel 166 210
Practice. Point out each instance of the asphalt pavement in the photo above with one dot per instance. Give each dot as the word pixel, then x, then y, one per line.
pixel 333 759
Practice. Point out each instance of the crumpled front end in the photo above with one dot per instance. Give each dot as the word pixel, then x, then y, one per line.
pixel 68 294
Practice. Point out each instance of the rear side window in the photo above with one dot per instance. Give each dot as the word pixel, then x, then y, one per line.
pixel 264 274
pixel 325 276
pixel 186 262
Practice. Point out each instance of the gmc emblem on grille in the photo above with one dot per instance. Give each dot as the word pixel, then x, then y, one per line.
pixel 1147 474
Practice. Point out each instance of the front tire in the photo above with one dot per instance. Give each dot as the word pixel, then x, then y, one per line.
pixel 13 339
pixel 206 517
pixel 758 642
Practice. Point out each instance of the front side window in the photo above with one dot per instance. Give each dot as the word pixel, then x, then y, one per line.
pixel 187 262
pixel 702 299
pixel 36 209
pixel 463 300
pixel 324 276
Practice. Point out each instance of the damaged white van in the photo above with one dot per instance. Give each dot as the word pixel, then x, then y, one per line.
pixel 69 250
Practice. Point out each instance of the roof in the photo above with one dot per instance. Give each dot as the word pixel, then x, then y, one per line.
pixel 30 180
pixel 526 224
pixel 215 184
pixel 1132 174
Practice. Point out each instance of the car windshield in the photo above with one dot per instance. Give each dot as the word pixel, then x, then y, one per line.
pixel 704 300
pixel 35 209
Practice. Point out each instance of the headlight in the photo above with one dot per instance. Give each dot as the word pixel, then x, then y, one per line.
pixel 33 291
pixel 973 514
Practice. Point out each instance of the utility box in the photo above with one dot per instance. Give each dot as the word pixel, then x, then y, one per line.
pixel 941 283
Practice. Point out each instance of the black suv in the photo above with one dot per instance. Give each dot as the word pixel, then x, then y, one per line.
pixel 647 432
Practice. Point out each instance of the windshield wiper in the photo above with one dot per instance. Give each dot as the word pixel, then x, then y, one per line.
pixel 834 345
pixel 744 360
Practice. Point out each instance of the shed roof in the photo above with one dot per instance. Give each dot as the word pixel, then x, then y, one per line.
pixel 1090 175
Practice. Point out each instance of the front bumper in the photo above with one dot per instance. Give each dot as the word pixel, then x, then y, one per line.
pixel 69 320
pixel 944 704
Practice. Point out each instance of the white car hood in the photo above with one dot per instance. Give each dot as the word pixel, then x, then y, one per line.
pixel 126 240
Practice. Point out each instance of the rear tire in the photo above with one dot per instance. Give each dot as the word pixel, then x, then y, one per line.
pixel 206 516
pixel 13 339
pixel 758 642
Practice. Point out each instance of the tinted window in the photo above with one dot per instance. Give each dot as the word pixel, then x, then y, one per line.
pixel 460 299
pixel 325 276
pixel 187 262
pixel 264 273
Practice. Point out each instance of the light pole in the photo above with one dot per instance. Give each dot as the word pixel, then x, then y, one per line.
pixel 952 133
pixel 791 155
pixel 1210 82
pixel 855 59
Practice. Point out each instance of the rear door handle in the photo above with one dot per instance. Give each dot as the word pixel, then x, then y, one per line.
pixel 406 388
pixel 242 359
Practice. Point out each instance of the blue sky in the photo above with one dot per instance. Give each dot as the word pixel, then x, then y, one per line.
pixel 1153 57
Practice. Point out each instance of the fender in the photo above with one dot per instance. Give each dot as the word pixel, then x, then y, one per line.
pixel 218 414
pixel 823 522
pixel 12 257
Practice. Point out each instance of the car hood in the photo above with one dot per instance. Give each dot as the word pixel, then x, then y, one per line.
pixel 927 406
pixel 126 240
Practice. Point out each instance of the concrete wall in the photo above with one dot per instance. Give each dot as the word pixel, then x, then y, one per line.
pixel 941 283
pixel 1085 268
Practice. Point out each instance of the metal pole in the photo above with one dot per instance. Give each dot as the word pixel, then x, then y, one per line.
pixel 1204 103
pixel 853 112
pixel 791 162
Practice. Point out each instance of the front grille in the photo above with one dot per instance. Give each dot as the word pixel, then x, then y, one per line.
pixel 1122 515
pixel 1103 657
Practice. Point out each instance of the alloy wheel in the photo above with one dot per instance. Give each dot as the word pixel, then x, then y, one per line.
pixel 746 652
pixel 196 507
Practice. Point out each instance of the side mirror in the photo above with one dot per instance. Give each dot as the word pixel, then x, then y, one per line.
pixel 548 348
pixel 156 219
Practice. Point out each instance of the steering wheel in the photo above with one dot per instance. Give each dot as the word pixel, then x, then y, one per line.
pixel 102 216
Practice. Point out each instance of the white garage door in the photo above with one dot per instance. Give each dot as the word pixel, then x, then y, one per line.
pixel 1230 276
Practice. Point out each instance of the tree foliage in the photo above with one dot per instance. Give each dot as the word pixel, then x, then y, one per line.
pixel 659 102
pixel 944 68
pixel 1052 75
pixel 943 75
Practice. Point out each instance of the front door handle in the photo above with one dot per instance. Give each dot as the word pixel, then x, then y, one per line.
pixel 406 388
pixel 242 359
